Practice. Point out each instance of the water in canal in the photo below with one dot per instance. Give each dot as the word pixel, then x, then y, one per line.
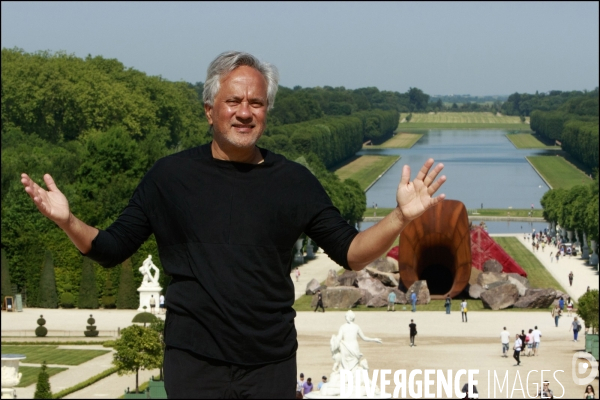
pixel 483 169
pixel 482 166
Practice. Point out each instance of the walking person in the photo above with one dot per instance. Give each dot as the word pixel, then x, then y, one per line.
pixel 413 301
pixel 464 310
pixel 448 304
pixel 152 303
pixel 517 349
pixel 392 301
pixel 413 332
pixel 576 327
pixel 571 278
pixel 556 314
pixel 297 274
pixel 529 343
pixel 537 338
pixel 561 304
pixel 505 340
pixel 319 301
pixel 546 392
pixel 161 304
pixel 551 258
pixel 569 307
pixel 307 387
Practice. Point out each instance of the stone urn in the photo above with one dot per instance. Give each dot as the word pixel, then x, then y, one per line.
pixel 10 374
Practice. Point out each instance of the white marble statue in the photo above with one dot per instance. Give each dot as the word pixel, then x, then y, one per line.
pixel 146 270
pixel 347 356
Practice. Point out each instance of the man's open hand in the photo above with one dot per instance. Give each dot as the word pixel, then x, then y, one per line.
pixel 415 197
pixel 52 203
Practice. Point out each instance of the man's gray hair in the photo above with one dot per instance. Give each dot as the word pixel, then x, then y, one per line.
pixel 230 60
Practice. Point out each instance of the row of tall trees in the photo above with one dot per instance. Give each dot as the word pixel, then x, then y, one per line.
pixel 575 125
pixel 574 209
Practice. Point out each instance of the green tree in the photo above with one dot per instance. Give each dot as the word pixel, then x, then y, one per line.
pixel 42 388
pixel 127 297
pixel 587 309
pixel 159 327
pixel 88 292
pixel 48 298
pixel 6 285
pixel 137 348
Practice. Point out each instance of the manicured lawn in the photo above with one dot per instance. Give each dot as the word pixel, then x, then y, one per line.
pixel 558 172
pixel 528 141
pixel 365 169
pixel 537 274
pixel 30 374
pixel 466 120
pixel 53 355
pixel 399 141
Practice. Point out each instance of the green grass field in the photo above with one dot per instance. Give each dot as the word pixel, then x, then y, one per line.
pixel 53 355
pixel 558 172
pixel 365 169
pixel 528 141
pixel 401 140
pixel 537 274
pixel 538 277
pixel 466 120
pixel 30 374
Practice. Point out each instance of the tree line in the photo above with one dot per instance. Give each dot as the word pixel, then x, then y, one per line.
pixel 524 103
pixel 574 209
pixel 98 126
pixel 575 125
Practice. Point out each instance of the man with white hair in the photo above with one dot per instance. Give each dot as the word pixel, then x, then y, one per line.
pixel 225 216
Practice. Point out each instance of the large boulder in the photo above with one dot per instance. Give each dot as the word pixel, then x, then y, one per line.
pixel 536 298
pixel 347 278
pixel 475 291
pixel 485 278
pixel 422 291
pixel 521 284
pixel 492 266
pixel 524 281
pixel 500 296
pixel 373 286
pixel 474 275
pixel 387 278
pixel 385 264
pixel 312 287
pixel 339 297
pixel 332 278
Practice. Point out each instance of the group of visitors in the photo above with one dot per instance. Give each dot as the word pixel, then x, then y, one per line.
pixel 303 388
pixel 528 342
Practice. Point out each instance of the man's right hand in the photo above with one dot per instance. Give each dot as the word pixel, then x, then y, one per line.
pixel 51 203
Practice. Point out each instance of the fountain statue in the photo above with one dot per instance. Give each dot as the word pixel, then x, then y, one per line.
pixel 150 288
pixel 347 357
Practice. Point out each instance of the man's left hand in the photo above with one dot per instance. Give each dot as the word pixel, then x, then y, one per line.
pixel 415 197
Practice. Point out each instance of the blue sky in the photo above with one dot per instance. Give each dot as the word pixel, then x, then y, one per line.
pixel 481 48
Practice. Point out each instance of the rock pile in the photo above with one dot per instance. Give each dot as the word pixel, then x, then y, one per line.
pixel 369 287
pixel 498 290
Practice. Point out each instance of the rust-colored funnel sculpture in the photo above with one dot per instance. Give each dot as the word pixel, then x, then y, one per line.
pixel 436 247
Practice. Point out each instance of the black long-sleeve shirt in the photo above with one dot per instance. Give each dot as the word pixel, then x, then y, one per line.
pixel 225 233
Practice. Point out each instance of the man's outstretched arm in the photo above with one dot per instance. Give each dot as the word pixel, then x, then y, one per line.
pixel 53 204
pixel 413 199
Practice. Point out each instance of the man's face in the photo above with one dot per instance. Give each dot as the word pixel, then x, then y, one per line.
pixel 239 113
